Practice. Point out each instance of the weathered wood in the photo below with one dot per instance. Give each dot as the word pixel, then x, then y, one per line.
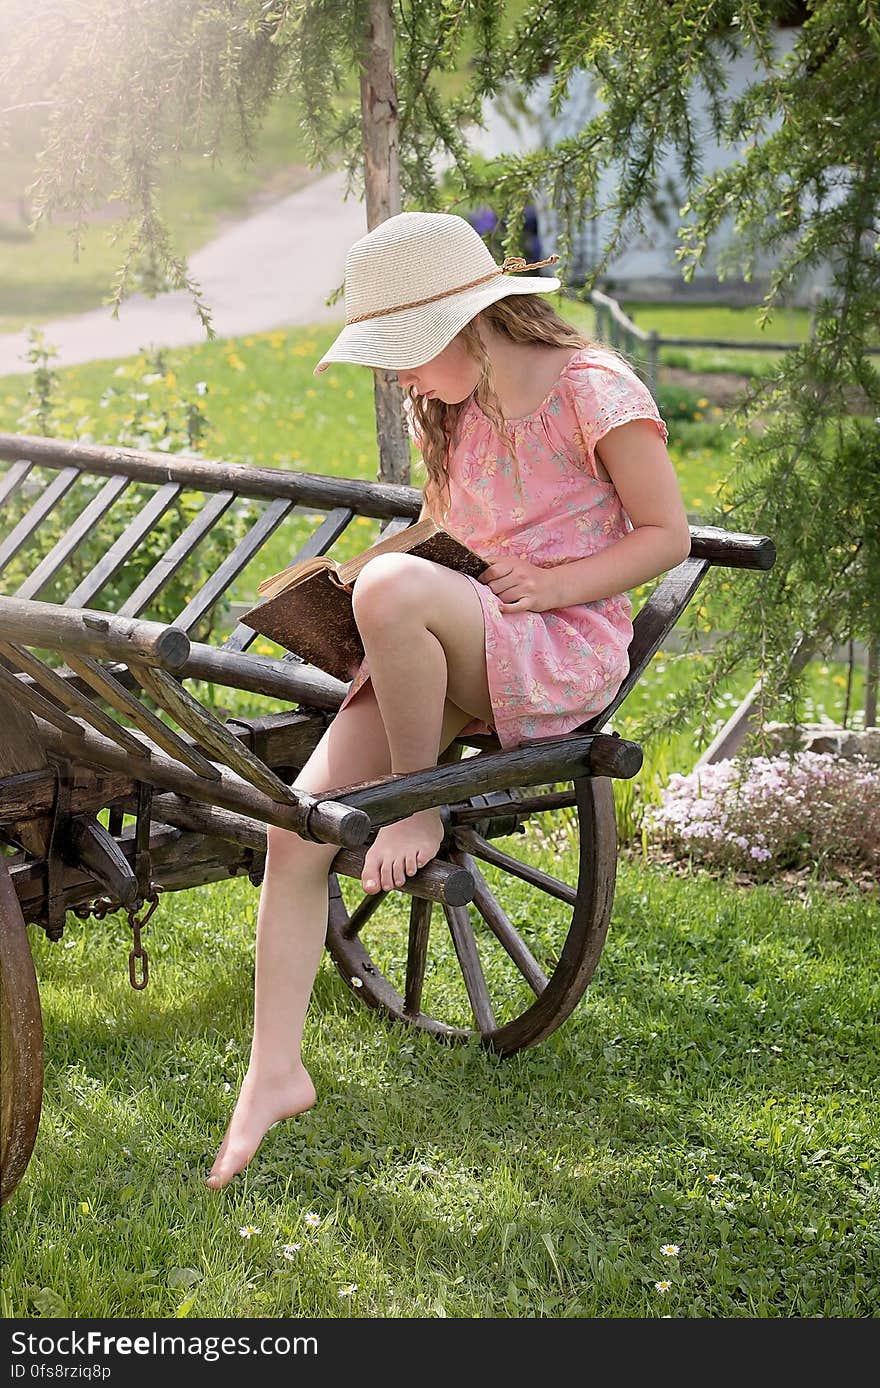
pixel 210 733
pixel 21 1042
pixel 87 842
pixel 45 503
pixel 66 693
pixel 313 490
pixel 31 794
pixel 119 698
pixel 281 739
pixel 471 969
pixel 260 674
pixel 731 549
pixel 311 816
pixel 151 513
pixel 501 926
pixel 80 530
pixel 436 881
pixel 22 756
pixel 31 699
pixel 651 627
pixel 544 761
pixel 45 625
pixel 13 479
pixel 365 908
pixel 417 955
pixel 474 843
pixel 215 587
pixel 318 542
pixel 523 805
pixel 168 563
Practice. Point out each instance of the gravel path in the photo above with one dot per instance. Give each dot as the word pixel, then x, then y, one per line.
pixel 273 269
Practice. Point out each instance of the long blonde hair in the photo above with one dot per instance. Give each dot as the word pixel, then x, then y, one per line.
pixel 522 318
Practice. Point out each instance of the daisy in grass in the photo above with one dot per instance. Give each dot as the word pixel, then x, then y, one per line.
pixel 247 1231
pixel 713 1178
pixel 669 1250
pixel 348 1290
pixel 290 1250
pixel 311 1219
pixel 662 1286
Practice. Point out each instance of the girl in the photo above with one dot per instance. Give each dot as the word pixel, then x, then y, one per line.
pixel 546 455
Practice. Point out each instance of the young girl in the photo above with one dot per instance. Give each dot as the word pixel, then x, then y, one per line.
pixel 546 455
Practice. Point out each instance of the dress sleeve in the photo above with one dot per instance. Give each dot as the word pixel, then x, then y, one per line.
pixel 605 393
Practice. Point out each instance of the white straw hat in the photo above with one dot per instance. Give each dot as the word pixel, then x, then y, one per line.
pixel 413 282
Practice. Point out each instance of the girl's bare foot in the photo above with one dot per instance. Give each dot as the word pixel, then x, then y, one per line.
pixel 260 1105
pixel 400 849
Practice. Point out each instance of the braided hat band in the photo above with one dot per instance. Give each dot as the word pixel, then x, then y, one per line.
pixel 512 263
pixel 413 283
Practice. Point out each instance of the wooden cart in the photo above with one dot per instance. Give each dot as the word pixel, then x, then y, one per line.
pixel 104 804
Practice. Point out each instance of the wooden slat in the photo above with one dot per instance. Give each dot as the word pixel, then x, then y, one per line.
pixel 474 843
pixel 417 955
pixel 189 714
pixel 166 566
pixel 31 698
pixel 471 968
pixel 68 695
pixel 125 545
pixel 40 509
pixel 79 531
pixel 108 688
pixel 311 490
pixel 501 926
pixel 318 543
pixel 651 627
pixel 232 566
pixel 13 478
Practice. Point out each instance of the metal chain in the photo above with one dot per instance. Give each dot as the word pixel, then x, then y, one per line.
pixel 138 915
pixel 139 912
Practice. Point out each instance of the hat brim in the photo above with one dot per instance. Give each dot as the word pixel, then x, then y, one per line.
pixel 412 336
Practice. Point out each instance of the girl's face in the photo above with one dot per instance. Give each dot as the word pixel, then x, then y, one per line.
pixel 451 376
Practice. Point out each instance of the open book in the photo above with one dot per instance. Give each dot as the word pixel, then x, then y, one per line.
pixel 307 607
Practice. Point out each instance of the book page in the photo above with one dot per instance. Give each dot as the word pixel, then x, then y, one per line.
pixel 398 543
pixel 293 574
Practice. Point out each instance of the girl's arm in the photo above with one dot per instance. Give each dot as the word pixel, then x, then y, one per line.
pixel 638 464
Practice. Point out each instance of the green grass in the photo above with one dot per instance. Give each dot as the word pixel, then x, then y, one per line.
pixel 727 1034
pixel 39 277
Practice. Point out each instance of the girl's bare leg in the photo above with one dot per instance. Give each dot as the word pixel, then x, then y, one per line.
pixel 422 629
pixel 291 926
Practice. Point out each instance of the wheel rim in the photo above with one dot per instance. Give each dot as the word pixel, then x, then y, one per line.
pixel 21 1042
pixel 540 934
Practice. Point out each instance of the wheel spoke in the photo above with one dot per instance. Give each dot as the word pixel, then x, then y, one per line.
pixel 417 955
pixel 471 968
pixel 474 843
pixel 362 912
pixel 500 925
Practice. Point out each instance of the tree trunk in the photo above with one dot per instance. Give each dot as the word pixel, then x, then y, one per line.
pixel 382 188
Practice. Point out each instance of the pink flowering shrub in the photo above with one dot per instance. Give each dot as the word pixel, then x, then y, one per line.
pixel 769 813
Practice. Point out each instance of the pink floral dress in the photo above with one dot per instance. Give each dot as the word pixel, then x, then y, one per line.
pixel 547 671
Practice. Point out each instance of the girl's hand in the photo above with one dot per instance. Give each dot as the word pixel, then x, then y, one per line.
pixel 522 587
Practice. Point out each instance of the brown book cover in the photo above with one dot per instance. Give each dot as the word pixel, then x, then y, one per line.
pixel 307 607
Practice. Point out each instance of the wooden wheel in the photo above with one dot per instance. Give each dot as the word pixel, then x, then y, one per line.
pixel 525 948
pixel 21 1042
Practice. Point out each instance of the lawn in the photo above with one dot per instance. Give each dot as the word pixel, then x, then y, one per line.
pixel 708 1095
